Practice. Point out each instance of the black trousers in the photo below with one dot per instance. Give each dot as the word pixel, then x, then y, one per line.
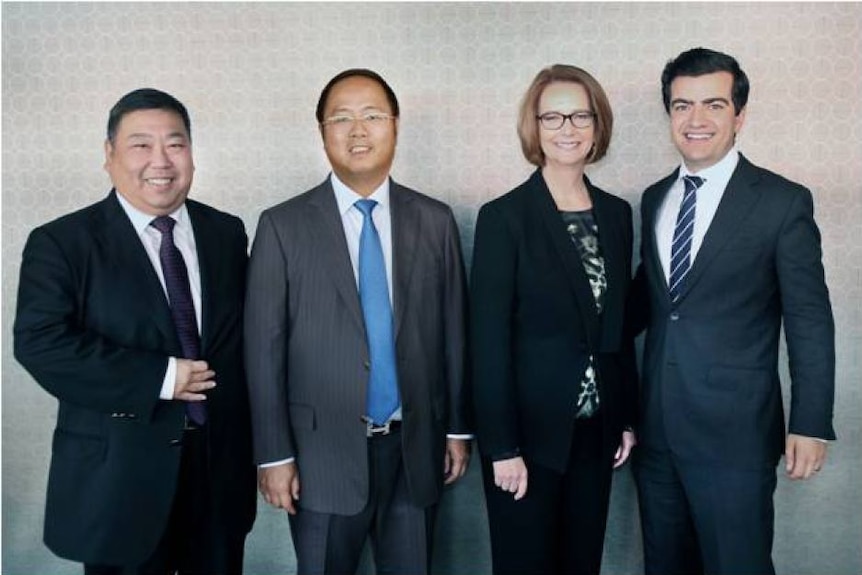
pixel 559 526
pixel 400 532
pixel 698 518
pixel 192 543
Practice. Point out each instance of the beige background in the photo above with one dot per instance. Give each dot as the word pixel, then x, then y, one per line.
pixel 250 75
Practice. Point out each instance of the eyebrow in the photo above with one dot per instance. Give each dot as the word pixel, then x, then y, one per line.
pixel 345 109
pixel 706 101
pixel 147 135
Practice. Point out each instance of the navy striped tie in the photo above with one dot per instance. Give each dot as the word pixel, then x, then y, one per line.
pixel 680 252
pixel 382 398
pixel 182 306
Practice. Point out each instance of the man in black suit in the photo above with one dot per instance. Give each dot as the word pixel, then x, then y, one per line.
pixel 136 330
pixel 315 348
pixel 717 289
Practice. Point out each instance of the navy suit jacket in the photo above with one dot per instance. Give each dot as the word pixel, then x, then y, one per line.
pixel 94 328
pixel 710 390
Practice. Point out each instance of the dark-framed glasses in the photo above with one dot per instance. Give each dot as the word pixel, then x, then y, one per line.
pixel 555 120
pixel 343 121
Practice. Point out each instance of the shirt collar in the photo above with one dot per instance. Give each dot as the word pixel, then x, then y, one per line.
pixel 720 171
pixel 345 197
pixel 141 220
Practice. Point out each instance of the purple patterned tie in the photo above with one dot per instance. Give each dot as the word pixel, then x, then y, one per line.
pixel 182 306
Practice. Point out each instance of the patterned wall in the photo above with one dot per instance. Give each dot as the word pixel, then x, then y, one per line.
pixel 250 74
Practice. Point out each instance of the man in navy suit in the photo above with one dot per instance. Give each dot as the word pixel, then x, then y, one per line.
pixel 143 480
pixel 729 252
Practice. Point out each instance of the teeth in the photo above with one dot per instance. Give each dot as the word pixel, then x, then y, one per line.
pixel 698 136
pixel 359 149
pixel 159 181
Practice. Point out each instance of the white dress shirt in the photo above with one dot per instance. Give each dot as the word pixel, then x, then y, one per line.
pixel 184 239
pixel 715 179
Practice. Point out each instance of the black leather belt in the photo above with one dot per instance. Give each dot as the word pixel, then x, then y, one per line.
pixel 374 430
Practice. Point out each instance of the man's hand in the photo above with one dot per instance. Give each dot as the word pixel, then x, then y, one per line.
pixel 456 460
pixel 193 378
pixel 511 475
pixel 625 448
pixel 279 485
pixel 803 456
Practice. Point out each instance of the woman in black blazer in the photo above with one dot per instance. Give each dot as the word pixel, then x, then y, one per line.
pixel 554 376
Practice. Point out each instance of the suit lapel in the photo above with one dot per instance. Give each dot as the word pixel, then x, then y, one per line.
pixel 406 228
pixel 568 254
pixel 736 204
pixel 126 254
pixel 208 247
pixel 613 252
pixel 328 231
pixel 652 203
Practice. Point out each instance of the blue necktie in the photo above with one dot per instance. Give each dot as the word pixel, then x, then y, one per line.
pixel 680 252
pixel 182 307
pixel 382 399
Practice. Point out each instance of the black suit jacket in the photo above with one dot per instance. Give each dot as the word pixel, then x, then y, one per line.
pixel 306 353
pixel 534 324
pixel 711 391
pixel 94 328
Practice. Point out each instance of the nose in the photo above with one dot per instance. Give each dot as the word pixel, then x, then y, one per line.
pixel 160 156
pixel 357 127
pixel 568 125
pixel 697 115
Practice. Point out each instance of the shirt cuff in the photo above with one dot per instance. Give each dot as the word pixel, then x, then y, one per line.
pixel 169 383
pixel 276 463
pixel 464 436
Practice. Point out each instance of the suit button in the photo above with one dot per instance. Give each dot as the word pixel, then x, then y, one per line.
pixel 366 365
pixel 176 442
pixel 674 316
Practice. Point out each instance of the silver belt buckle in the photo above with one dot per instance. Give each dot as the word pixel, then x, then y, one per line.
pixel 372 430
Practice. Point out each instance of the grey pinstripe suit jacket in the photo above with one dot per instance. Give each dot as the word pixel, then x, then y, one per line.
pixel 306 353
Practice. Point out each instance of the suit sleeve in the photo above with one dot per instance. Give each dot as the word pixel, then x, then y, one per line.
pixel 492 303
pixel 266 339
pixel 68 357
pixel 457 375
pixel 627 350
pixel 808 323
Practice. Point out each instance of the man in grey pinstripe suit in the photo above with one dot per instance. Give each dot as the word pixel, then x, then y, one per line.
pixel 341 477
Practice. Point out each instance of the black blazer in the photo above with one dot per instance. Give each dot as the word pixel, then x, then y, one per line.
pixel 94 328
pixel 534 324
pixel 711 391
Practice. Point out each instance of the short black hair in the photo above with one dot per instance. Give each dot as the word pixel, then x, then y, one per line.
pixel 700 61
pixel 364 73
pixel 146 99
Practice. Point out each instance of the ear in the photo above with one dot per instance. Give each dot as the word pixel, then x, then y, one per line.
pixel 109 152
pixel 739 121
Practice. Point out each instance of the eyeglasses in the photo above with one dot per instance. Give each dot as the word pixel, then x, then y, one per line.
pixel 556 120
pixel 345 121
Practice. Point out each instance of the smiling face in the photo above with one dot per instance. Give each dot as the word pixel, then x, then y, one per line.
pixel 568 146
pixel 360 152
pixel 703 121
pixel 150 161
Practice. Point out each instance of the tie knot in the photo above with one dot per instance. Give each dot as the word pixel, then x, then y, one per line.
pixel 693 182
pixel 164 224
pixel 365 206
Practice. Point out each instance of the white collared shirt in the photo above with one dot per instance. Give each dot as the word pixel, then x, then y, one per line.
pixel 184 239
pixel 715 179
pixel 352 219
